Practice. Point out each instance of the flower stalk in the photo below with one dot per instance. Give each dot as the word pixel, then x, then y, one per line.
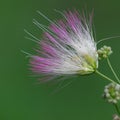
pixel 108 61
pixel 104 76
pixel 117 108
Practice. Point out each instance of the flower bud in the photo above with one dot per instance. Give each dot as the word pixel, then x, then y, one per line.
pixel 112 93
pixel 116 117
pixel 104 52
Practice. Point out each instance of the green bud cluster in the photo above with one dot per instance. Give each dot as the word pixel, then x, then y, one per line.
pixel 112 93
pixel 104 52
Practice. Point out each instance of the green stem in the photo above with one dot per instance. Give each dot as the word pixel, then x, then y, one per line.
pixel 108 61
pixel 104 76
pixel 117 108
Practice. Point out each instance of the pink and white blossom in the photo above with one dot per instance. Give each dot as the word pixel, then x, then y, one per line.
pixel 67 47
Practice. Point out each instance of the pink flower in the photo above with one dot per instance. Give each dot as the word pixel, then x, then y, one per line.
pixel 67 47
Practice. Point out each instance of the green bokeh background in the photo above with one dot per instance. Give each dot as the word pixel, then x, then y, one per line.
pixel 20 97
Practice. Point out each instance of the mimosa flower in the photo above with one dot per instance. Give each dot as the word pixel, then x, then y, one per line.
pixel 67 48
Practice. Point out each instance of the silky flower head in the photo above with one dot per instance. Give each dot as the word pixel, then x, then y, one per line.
pixel 112 93
pixel 67 47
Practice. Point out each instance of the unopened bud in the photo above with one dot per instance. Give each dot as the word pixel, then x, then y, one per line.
pixel 104 52
pixel 116 117
pixel 112 93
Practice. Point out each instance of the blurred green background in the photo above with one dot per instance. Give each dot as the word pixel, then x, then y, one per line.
pixel 20 97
